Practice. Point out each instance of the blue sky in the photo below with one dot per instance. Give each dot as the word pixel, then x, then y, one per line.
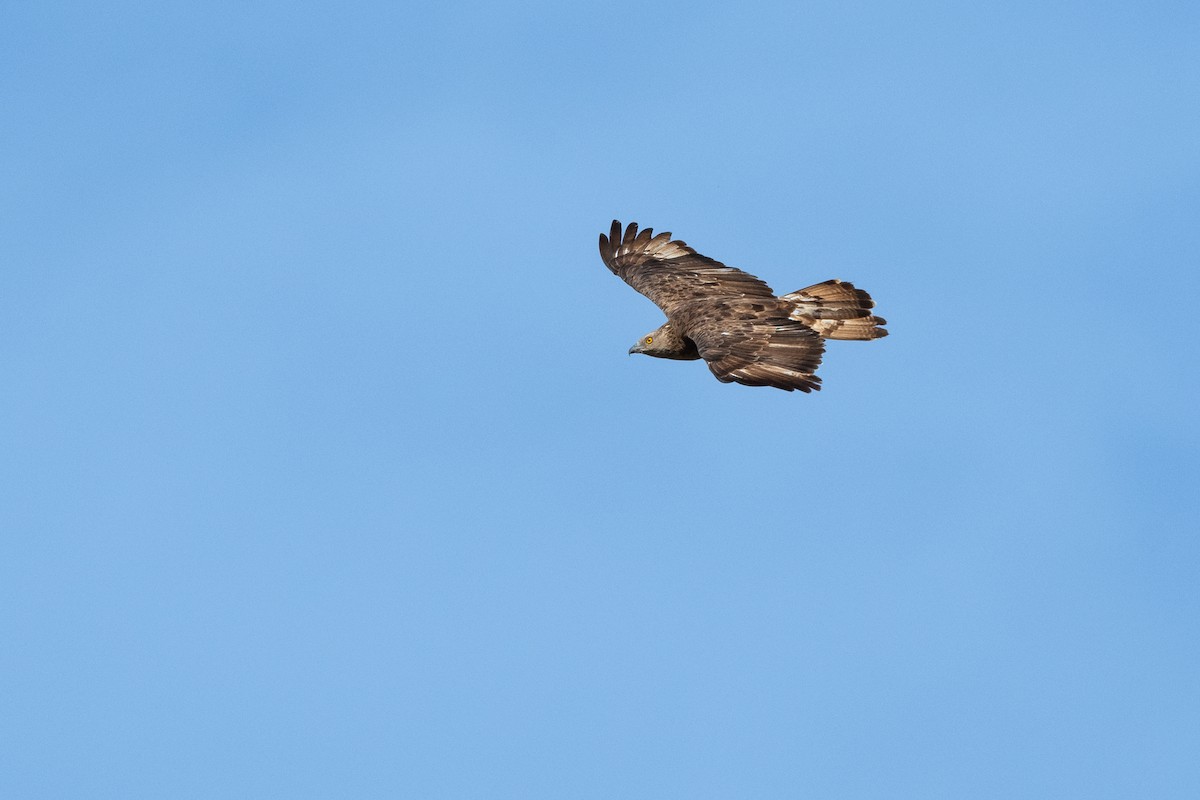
pixel 324 471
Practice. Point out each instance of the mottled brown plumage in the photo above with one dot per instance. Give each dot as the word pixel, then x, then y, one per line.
pixel 732 319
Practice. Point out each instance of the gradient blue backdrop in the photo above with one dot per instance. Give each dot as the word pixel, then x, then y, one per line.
pixel 324 472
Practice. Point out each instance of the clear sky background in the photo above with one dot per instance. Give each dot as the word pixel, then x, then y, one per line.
pixel 324 471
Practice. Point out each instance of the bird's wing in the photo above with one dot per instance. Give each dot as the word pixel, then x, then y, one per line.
pixel 672 274
pixel 752 343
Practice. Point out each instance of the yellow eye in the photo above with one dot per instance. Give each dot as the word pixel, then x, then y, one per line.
pixel 648 340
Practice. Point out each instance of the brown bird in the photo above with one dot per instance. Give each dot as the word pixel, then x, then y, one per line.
pixel 732 319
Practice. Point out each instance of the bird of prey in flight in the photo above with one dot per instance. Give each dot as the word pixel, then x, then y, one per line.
pixel 732 319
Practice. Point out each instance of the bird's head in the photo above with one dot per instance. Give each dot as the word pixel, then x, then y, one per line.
pixel 643 344
pixel 665 342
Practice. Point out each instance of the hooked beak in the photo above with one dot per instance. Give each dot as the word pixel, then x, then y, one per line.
pixel 634 349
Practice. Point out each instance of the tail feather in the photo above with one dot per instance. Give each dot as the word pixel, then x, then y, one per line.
pixel 836 310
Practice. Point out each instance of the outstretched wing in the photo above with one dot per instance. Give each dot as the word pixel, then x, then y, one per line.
pixel 672 274
pixel 755 344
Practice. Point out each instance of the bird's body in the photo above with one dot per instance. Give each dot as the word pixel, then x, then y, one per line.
pixel 730 318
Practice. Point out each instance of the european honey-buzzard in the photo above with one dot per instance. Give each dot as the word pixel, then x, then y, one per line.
pixel 732 319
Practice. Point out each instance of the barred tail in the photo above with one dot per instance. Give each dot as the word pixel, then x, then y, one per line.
pixel 836 310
